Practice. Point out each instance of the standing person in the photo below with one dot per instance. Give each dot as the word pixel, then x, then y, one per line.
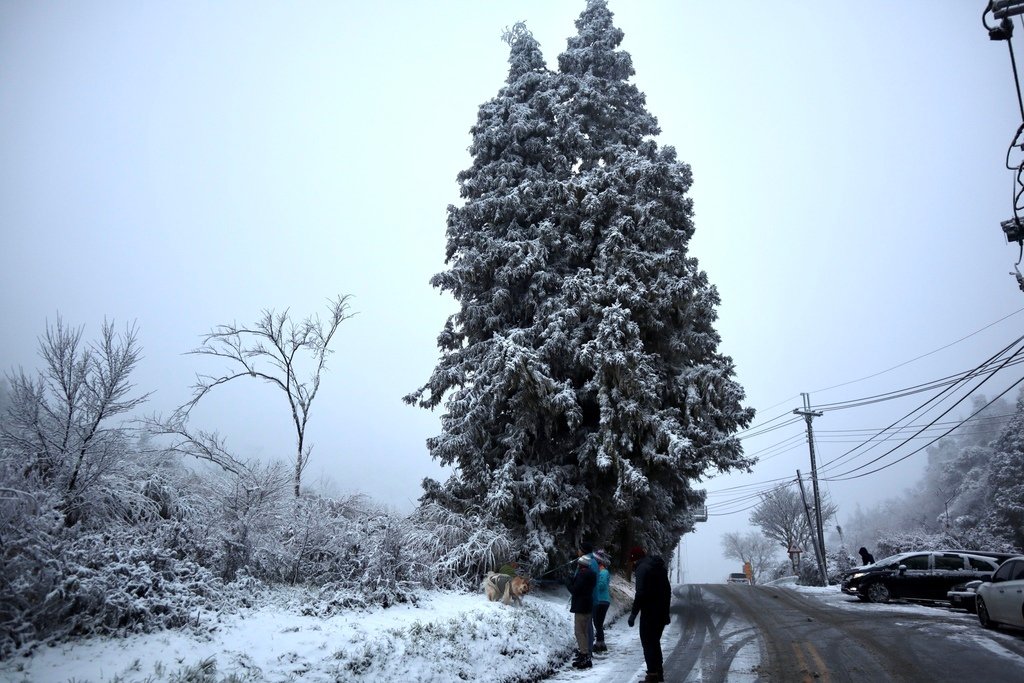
pixel 651 602
pixel 581 586
pixel 865 556
pixel 587 550
pixel 602 600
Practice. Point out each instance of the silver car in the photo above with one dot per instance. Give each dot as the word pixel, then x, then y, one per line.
pixel 1001 601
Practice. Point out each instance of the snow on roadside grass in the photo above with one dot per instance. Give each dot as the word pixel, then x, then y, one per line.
pixel 446 637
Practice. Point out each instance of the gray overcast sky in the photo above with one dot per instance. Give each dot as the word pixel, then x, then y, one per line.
pixel 188 164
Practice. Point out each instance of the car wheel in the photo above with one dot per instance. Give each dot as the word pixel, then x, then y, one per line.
pixel 877 592
pixel 983 617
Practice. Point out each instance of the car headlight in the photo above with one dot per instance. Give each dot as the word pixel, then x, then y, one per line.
pixel 858 575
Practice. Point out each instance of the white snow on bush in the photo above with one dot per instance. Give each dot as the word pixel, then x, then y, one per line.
pixel 446 637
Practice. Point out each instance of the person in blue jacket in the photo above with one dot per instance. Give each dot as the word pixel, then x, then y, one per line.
pixel 602 599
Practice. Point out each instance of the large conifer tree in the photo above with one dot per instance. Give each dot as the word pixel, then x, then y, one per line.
pixel 585 389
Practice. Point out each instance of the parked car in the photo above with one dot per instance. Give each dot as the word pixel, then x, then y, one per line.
pixel 963 596
pixel 1001 600
pixel 738 577
pixel 923 575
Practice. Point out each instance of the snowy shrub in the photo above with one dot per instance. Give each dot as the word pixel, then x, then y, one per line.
pixel 461 547
pixel 30 533
pixel 808 574
pixel 322 540
pixel 977 538
pixel 111 583
pixel 783 568
pixel 838 562
pixel 491 644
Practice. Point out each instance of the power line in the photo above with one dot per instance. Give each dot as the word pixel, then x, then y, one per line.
pixel 987 432
pixel 745 492
pixel 886 466
pixel 923 355
pixel 841 476
pixel 984 364
pixel 916 389
pixel 866 430
pixel 759 425
pixel 771 429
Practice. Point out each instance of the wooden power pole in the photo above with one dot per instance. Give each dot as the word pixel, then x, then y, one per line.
pixel 819 552
pixel 819 531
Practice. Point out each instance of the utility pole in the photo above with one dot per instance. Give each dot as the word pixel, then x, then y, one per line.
pixel 809 415
pixel 819 551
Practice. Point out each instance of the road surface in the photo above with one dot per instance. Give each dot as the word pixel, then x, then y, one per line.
pixel 740 634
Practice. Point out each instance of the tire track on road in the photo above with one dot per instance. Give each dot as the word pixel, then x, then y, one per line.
pixel 703 646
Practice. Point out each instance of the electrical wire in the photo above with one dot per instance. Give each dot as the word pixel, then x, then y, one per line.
pixel 880 372
pixel 990 432
pixel 838 459
pixel 791 421
pixel 729 507
pixel 923 355
pixel 741 494
pixel 1003 417
pixel 918 388
pixel 843 475
pixel 759 425
pixel 918 450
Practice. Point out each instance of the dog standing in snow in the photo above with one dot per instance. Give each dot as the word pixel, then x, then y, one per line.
pixel 508 589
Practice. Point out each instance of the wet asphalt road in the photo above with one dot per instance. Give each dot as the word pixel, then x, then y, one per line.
pixel 733 633
pixel 760 634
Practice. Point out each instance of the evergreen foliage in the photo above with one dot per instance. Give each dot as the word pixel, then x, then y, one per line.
pixel 1006 480
pixel 585 392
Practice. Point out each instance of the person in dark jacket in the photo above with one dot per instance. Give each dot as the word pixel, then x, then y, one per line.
pixel 651 602
pixel 866 557
pixel 581 586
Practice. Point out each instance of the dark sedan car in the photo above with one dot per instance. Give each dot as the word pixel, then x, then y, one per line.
pixel 923 575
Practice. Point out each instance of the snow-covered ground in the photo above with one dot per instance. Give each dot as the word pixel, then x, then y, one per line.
pixel 446 637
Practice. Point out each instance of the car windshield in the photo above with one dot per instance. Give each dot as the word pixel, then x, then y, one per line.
pixel 892 559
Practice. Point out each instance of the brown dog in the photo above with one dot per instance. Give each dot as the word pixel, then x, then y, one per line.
pixel 506 588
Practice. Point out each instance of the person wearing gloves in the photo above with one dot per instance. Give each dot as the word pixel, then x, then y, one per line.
pixel 651 601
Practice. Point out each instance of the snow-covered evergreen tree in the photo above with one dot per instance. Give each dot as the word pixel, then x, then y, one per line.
pixel 1006 480
pixel 585 389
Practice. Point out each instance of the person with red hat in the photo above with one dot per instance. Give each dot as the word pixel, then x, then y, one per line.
pixel 651 601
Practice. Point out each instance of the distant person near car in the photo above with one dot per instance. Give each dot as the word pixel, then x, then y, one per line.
pixel 865 556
